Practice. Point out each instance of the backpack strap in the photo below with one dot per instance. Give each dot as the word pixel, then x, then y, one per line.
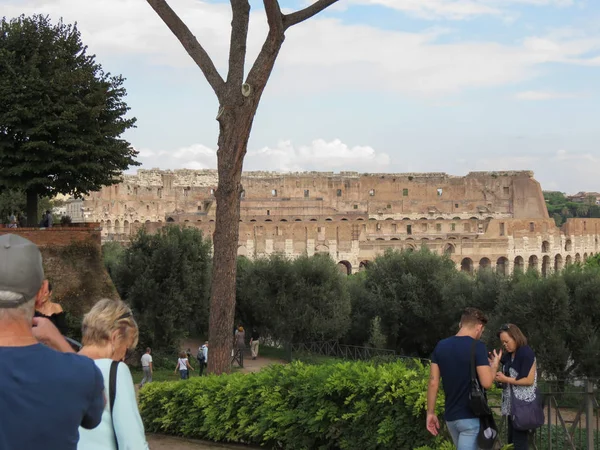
pixel 474 378
pixel 112 394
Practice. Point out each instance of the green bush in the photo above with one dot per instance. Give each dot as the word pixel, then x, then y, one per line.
pixel 350 405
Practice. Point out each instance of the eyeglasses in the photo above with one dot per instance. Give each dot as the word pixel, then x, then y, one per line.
pixel 505 327
pixel 127 315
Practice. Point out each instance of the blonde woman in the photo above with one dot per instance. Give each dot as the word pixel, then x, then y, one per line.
pixel 109 331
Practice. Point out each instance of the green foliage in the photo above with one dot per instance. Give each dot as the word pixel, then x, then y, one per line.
pixel 300 300
pixel 415 294
pixel 62 116
pixel 376 337
pixel 560 209
pixel 112 252
pixel 15 201
pixel 593 261
pixel 347 405
pixel 165 279
pixel 65 220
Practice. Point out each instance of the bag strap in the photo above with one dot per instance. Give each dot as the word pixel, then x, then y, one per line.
pixel 473 370
pixel 112 394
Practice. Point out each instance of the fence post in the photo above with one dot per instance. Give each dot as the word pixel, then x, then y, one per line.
pixel 589 414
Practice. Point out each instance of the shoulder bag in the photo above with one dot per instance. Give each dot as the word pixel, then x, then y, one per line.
pixel 477 397
pixel 112 394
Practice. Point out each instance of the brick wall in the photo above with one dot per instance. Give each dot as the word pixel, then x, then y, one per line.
pixel 58 236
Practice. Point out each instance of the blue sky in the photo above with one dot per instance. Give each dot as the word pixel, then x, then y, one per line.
pixel 370 85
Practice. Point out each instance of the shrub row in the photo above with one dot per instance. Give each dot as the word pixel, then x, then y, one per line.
pixel 349 405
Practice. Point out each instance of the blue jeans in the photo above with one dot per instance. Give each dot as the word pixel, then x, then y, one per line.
pixel 464 433
pixel 184 374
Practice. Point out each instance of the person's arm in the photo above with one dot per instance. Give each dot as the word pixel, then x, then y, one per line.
pixel 93 414
pixel 433 423
pixel 46 333
pixel 176 367
pixel 486 369
pixel 129 428
pixel 526 381
pixel 150 366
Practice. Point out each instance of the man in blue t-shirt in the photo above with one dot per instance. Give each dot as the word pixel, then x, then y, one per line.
pixel 45 395
pixel 451 360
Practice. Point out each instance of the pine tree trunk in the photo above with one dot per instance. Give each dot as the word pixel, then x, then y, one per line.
pixel 233 140
pixel 32 209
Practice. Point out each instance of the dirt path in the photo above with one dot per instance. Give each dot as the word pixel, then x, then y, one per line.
pixel 161 442
pixel 250 365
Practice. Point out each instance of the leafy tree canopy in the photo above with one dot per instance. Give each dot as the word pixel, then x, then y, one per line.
pixel 62 116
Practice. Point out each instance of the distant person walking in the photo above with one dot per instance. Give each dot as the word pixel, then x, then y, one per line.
pixel 147 367
pixel 183 365
pixel 202 358
pixel 254 343
pixel 49 219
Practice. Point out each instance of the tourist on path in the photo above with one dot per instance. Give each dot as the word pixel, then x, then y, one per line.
pixel 254 343
pixel 451 360
pixel 202 358
pixel 45 395
pixel 519 374
pixel 147 367
pixel 183 365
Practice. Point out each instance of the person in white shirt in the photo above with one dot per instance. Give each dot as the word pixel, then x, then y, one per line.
pixel 202 358
pixel 183 365
pixel 109 331
pixel 147 367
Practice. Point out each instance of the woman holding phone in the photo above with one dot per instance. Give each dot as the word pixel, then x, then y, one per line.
pixel 519 375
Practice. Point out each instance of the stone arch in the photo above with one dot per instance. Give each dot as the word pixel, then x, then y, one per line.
pixel 585 257
pixel 568 260
pixel 313 220
pixel 199 220
pixel 394 239
pixel 568 245
pixel 519 264
pixel 211 220
pixel 372 218
pixel 126 229
pixel 473 218
pixel 577 258
pixel 118 227
pixel 102 226
pixel 170 219
pixel 329 219
pixel 466 265
pixel 344 219
pixel 409 248
pixel 242 251
pixel 449 249
pixel 502 266
pixel 558 263
pixel 545 247
pixel 321 249
pixel 363 265
pixel 268 220
pixel 345 267
pixel 298 220
pixel 546 266
pixel 485 263
pixel 359 218
pixel 389 218
pixel 406 218
pixel 423 218
pixel 456 218
pixel 533 263
pixel 252 220
pixel 439 218
pixel 380 239
pixel 109 228
pixel 147 222
pixel 136 221
pixel 283 220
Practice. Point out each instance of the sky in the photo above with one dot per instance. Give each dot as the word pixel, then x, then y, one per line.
pixel 368 85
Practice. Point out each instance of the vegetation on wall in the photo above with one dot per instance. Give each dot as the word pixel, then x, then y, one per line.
pixel 561 209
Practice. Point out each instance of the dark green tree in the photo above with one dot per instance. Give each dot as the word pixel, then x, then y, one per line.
pixel 165 277
pixel 61 117
pixel 300 300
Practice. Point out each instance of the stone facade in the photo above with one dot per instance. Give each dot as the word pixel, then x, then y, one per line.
pixel 484 219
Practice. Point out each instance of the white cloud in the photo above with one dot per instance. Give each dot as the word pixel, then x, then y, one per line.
pixel 460 9
pixel 323 53
pixel 285 157
pixel 544 95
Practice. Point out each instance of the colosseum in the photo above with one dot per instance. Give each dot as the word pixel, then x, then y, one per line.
pixel 495 220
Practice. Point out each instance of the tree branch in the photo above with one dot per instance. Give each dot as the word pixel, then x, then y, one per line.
pixel 237 47
pixel 292 19
pixel 274 17
pixel 191 45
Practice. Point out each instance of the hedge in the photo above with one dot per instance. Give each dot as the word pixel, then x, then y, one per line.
pixel 348 405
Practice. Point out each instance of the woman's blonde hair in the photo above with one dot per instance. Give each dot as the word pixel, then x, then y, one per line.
pixel 105 318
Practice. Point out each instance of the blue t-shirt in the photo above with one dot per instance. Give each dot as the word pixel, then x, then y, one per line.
pixel 453 356
pixel 45 396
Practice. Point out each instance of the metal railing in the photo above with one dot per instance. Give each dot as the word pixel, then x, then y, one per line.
pixel 333 349
pixel 572 416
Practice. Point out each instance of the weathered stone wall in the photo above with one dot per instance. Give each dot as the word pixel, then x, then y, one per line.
pixel 73 264
pixel 484 218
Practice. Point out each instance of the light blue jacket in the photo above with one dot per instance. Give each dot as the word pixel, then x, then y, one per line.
pixel 127 421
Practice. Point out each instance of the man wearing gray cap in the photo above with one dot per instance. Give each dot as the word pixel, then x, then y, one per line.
pixel 45 395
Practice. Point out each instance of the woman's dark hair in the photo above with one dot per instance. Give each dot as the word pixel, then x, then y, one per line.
pixel 49 287
pixel 515 333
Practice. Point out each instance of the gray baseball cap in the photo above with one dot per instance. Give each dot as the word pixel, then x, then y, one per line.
pixel 21 268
